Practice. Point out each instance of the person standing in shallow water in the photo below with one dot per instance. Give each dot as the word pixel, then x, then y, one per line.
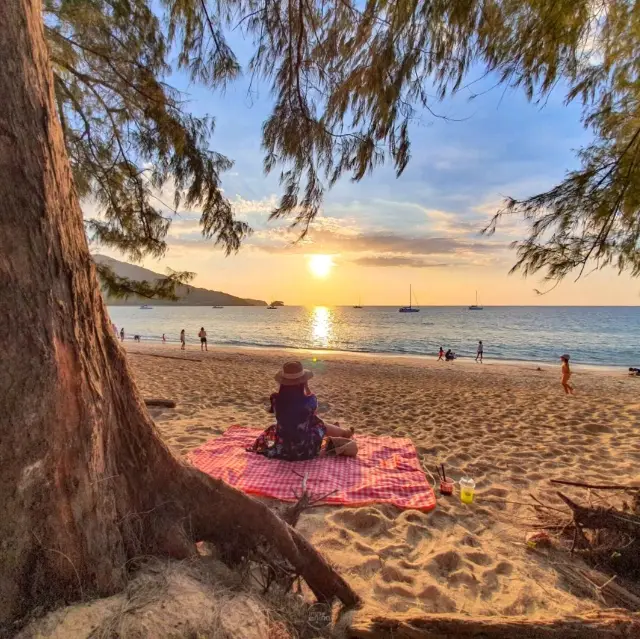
pixel 566 375
pixel 480 352
pixel 182 340
pixel 122 334
pixel 203 339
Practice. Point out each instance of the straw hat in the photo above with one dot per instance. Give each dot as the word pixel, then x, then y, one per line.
pixel 292 374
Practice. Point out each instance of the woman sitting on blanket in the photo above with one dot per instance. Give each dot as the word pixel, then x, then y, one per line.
pixel 298 433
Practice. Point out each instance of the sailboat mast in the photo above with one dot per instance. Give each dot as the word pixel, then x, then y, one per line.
pixel 410 296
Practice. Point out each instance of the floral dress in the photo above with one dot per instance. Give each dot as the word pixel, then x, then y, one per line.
pixel 297 435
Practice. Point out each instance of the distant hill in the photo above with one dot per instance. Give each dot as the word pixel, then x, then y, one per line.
pixel 189 296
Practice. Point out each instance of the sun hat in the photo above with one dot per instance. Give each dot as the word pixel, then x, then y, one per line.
pixel 565 356
pixel 292 374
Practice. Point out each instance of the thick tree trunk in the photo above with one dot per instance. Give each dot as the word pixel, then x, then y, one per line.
pixel 85 481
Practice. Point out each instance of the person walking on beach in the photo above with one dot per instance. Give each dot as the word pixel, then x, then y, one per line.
pixel 441 354
pixel 480 352
pixel 122 334
pixel 203 339
pixel 164 339
pixel 182 340
pixel 566 375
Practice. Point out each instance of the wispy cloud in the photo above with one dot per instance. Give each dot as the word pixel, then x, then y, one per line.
pixel 335 241
pixel 397 261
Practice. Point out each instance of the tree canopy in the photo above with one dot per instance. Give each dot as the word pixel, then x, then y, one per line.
pixel 347 78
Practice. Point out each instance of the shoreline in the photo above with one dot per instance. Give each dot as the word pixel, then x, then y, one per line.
pixel 334 353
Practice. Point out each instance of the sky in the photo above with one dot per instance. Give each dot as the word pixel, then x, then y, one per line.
pixel 384 233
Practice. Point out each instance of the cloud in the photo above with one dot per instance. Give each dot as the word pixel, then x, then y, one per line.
pixel 396 261
pixel 382 242
pixel 264 206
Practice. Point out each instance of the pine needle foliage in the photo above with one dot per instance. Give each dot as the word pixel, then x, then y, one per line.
pixel 347 77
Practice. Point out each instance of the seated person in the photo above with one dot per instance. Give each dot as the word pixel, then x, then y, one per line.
pixel 449 355
pixel 298 433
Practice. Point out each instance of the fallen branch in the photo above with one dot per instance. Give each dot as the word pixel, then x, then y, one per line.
pixel 607 624
pixel 594 486
pixel 166 403
pixel 603 518
pixel 585 581
pixel 306 500
pixel 181 359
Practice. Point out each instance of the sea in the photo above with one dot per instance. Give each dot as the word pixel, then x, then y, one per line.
pixel 595 336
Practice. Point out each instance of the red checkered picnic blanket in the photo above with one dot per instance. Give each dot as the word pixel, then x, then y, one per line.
pixel 386 470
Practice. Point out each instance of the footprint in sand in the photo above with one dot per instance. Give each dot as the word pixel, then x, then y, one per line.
pixel 479 558
pixel 435 600
pixel 369 522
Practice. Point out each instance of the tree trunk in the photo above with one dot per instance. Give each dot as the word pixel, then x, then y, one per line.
pixel 85 481
pixel 609 624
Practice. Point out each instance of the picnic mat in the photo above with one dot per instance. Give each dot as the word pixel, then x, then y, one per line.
pixel 386 471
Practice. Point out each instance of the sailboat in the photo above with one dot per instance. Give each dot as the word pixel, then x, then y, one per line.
pixel 409 309
pixel 476 306
pixel 359 304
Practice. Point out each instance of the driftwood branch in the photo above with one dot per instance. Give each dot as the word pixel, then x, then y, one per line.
pixel 592 583
pixel 599 518
pixel 608 624
pixel 594 486
pixel 166 403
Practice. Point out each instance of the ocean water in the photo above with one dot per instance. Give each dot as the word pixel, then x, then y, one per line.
pixel 606 336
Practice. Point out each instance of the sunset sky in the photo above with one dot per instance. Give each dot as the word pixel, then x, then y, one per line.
pixel 385 233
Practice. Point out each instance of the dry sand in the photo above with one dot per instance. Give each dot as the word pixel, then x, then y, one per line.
pixel 509 427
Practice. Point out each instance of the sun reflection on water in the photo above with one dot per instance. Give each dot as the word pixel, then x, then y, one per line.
pixel 321 325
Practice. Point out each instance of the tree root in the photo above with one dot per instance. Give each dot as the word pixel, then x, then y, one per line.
pixel 210 510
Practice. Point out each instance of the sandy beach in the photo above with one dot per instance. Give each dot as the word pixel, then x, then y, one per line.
pixel 510 427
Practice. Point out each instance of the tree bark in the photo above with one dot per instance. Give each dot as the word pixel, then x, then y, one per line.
pixel 609 624
pixel 85 481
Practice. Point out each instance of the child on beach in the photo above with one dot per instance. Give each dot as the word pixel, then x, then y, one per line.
pixel 566 375
pixel 298 433
pixel 480 351
pixel 182 340
pixel 441 354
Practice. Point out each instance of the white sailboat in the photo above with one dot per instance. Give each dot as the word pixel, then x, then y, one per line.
pixel 409 309
pixel 359 304
pixel 476 306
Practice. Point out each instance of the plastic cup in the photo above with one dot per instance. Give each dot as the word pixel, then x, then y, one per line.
pixel 446 486
pixel 467 490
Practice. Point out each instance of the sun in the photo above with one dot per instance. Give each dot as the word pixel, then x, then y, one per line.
pixel 320 265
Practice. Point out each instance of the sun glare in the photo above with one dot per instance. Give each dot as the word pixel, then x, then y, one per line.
pixel 320 265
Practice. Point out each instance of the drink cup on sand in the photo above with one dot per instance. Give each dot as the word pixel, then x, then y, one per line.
pixel 467 490
pixel 446 486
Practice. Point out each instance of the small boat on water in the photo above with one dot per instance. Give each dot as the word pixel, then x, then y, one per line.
pixel 217 307
pixel 409 309
pixel 359 304
pixel 272 308
pixel 146 307
pixel 476 306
